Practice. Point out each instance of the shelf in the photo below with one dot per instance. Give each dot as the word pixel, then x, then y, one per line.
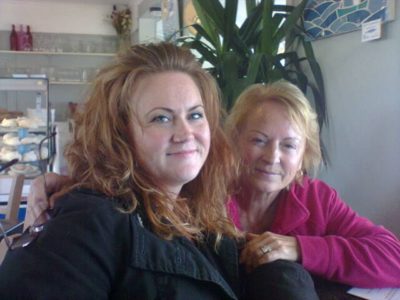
pixel 56 53
pixel 23 84
pixel 4 130
pixel 36 84
pixel 69 82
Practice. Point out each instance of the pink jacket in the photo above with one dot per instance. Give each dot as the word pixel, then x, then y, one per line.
pixel 335 242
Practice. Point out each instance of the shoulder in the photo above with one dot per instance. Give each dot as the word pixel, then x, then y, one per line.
pixel 313 187
pixel 87 242
pixel 315 194
pixel 86 212
pixel 85 201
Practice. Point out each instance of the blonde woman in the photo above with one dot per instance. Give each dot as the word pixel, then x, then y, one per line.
pixel 289 215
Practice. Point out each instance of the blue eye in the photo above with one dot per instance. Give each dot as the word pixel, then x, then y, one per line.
pixel 160 119
pixel 196 116
pixel 258 141
pixel 290 146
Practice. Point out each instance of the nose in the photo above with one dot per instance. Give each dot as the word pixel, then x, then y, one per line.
pixel 271 153
pixel 183 131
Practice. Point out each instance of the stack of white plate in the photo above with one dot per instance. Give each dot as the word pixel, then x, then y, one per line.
pixel 28 170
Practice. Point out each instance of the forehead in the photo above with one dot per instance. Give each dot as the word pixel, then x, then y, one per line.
pixel 166 89
pixel 272 116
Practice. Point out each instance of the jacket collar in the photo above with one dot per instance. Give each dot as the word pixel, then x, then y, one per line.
pixel 291 212
pixel 179 256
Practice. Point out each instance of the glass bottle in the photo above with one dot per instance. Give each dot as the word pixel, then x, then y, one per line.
pixel 29 39
pixel 21 38
pixel 13 39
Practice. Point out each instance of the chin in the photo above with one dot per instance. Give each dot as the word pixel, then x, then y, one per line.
pixel 267 187
pixel 186 177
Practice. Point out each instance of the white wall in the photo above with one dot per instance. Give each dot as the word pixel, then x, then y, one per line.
pixel 363 94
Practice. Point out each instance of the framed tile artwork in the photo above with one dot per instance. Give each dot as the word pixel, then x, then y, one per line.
pixel 325 18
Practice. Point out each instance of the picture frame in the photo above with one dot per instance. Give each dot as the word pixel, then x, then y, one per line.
pixel 326 18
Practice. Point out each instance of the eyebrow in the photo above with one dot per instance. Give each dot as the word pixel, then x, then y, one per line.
pixel 286 138
pixel 172 111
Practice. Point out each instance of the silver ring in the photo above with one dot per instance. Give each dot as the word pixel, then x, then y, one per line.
pixel 265 249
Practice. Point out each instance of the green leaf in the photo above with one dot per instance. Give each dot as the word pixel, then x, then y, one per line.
pixel 230 23
pixel 291 21
pixel 212 11
pixel 204 34
pixel 253 68
pixel 266 34
pixel 316 70
pixel 206 12
pixel 207 53
pixel 251 25
pixel 250 6
pixel 229 67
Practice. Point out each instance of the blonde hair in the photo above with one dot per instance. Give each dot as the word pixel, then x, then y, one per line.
pixel 103 158
pixel 299 110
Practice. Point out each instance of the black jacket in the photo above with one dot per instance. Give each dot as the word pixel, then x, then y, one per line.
pixel 90 250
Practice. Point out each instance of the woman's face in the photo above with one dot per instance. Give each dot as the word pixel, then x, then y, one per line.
pixel 171 132
pixel 271 147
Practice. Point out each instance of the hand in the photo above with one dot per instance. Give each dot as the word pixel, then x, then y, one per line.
pixel 38 199
pixel 268 247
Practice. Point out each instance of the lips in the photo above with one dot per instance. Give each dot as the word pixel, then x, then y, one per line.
pixel 182 152
pixel 269 172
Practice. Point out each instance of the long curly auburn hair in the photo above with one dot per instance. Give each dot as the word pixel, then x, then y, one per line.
pixel 102 156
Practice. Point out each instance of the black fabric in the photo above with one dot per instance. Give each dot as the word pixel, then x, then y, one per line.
pixel 330 290
pixel 280 280
pixel 90 250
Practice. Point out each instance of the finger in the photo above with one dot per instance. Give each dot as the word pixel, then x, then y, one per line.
pixel 247 256
pixel 251 236
pixel 256 241
pixel 252 254
pixel 54 186
pixel 33 210
pixel 252 248
pixel 260 260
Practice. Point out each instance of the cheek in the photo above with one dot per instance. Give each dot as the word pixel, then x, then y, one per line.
pixel 249 154
pixel 204 136
pixel 148 142
pixel 154 140
pixel 293 163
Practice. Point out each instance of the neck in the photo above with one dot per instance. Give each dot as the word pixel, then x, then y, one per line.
pixel 173 191
pixel 256 209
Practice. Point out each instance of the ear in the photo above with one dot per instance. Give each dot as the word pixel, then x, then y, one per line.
pixel 300 168
pixel 302 159
pixel 299 173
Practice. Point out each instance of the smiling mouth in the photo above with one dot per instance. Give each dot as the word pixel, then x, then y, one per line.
pixel 182 153
pixel 269 173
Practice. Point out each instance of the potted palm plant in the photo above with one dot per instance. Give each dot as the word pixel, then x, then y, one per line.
pixel 252 53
